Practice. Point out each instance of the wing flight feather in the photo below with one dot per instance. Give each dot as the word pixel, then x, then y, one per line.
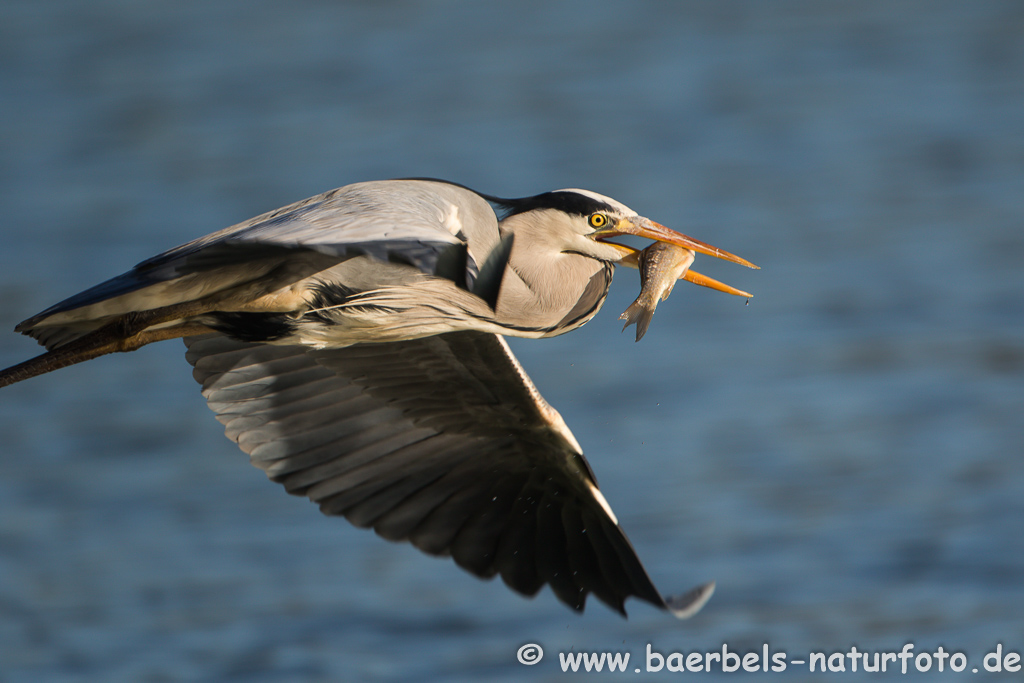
pixel 442 441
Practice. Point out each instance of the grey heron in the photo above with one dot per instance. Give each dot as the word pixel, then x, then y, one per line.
pixel 352 345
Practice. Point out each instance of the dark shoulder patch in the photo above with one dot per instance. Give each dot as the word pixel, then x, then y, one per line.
pixel 328 295
pixel 252 327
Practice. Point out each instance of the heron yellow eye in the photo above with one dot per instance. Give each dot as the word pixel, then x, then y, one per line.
pixel 598 220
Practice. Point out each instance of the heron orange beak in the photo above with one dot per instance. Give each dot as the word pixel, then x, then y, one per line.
pixel 642 227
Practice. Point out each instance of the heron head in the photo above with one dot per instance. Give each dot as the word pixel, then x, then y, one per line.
pixel 585 222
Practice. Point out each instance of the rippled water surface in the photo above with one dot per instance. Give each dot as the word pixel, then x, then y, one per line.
pixel 843 455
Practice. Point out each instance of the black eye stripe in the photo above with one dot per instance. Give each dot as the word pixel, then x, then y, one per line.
pixel 568 202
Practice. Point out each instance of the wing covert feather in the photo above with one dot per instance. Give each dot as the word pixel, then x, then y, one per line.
pixel 438 228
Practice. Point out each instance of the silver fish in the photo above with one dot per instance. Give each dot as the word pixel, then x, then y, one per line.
pixel 661 264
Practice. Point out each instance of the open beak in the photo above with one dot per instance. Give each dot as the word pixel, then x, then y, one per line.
pixel 642 227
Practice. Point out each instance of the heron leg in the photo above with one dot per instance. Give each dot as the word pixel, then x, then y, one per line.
pixel 127 333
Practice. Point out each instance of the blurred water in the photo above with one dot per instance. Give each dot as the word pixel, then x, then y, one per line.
pixel 844 455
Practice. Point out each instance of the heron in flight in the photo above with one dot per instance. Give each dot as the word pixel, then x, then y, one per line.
pixel 352 345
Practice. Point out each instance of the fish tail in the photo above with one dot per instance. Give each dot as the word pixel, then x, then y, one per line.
pixel 640 315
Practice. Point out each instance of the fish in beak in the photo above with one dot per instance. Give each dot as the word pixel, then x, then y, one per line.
pixel 661 265
pixel 643 227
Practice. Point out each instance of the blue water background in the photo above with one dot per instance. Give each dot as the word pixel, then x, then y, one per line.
pixel 845 455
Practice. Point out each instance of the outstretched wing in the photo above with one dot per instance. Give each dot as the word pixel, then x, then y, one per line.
pixel 438 228
pixel 442 441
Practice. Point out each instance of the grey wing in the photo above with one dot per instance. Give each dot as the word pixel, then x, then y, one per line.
pixel 411 221
pixel 437 228
pixel 442 441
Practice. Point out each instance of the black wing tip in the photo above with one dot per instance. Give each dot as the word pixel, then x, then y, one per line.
pixel 686 605
pixel 681 606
